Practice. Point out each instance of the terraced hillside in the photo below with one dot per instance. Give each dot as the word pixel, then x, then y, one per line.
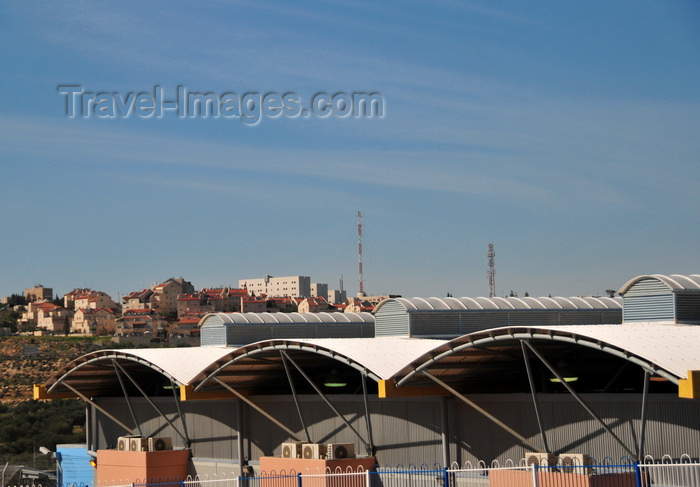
pixel 26 361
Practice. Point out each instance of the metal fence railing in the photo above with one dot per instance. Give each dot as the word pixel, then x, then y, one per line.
pixel 665 472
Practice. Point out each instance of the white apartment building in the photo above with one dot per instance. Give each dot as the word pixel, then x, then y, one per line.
pixel 319 290
pixel 288 287
pixel 336 296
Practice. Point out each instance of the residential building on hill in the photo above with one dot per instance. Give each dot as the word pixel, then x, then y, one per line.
pixel 53 318
pixel 38 293
pixel 290 286
pixel 187 325
pixel 188 304
pixel 45 316
pixel 336 296
pixel 357 305
pixel 88 321
pixel 69 298
pixel 165 294
pixel 253 304
pixel 319 290
pixel 314 305
pixel 137 300
pixel 93 300
pixel 139 322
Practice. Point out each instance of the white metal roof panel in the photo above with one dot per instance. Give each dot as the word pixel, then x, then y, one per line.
pixel 384 356
pixel 181 363
pixel 509 303
pixel 675 282
pixel 673 348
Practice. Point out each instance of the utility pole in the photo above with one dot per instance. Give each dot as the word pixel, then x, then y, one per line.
pixel 359 253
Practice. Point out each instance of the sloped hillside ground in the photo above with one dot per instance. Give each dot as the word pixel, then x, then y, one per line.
pixel 32 360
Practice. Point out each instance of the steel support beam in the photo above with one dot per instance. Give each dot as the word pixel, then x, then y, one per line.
pixel 98 407
pixel 481 410
pixel 535 401
pixel 368 419
pixel 294 395
pixel 256 407
pixel 580 400
pixel 330 404
pixel 643 415
pixel 445 436
pixel 179 412
pixel 153 405
pixel 126 396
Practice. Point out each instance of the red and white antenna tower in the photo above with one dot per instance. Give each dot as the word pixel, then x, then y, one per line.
pixel 492 271
pixel 359 252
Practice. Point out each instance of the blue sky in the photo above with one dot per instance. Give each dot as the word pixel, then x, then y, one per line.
pixel 566 133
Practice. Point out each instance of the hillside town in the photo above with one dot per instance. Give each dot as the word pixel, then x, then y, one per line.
pixel 172 308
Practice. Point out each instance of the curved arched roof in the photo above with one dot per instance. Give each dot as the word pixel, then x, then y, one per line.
pixel 292 318
pixel 666 350
pixel 675 282
pixel 510 303
pixel 379 358
pixel 94 374
pixel 485 357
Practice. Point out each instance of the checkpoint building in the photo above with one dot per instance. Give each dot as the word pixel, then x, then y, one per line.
pixel 592 376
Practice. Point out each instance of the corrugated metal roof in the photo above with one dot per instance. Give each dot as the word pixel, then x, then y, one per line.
pixel 380 358
pixel 182 363
pixel 675 282
pixel 671 347
pixel 93 371
pixel 670 350
pixel 291 318
pixel 509 303
pixel 384 356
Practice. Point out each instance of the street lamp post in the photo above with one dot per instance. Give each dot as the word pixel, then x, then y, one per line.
pixel 59 468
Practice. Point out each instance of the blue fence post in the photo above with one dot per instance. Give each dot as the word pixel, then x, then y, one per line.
pixel 299 479
pixel 445 478
pixel 637 475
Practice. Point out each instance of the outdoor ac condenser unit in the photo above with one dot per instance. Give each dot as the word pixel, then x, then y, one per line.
pixel 575 460
pixel 541 459
pixel 160 444
pixel 138 443
pixel 292 449
pixel 337 451
pixel 124 443
pixel 314 451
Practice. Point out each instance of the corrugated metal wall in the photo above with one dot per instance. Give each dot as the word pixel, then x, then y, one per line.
pixel 456 323
pixel 392 320
pixel 648 300
pixel 214 333
pixel 672 426
pixel 688 307
pixel 409 430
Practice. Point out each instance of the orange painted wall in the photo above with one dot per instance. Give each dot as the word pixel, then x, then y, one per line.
pixel 115 465
pixel 517 478
pixel 276 466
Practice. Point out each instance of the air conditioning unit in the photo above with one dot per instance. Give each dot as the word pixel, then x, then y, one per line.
pixel 160 444
pixel 313 451
pixel 579 462
pixel 292 449
pixel 138 443
pixel 124 443
pixel 337 451
pixel 541 459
